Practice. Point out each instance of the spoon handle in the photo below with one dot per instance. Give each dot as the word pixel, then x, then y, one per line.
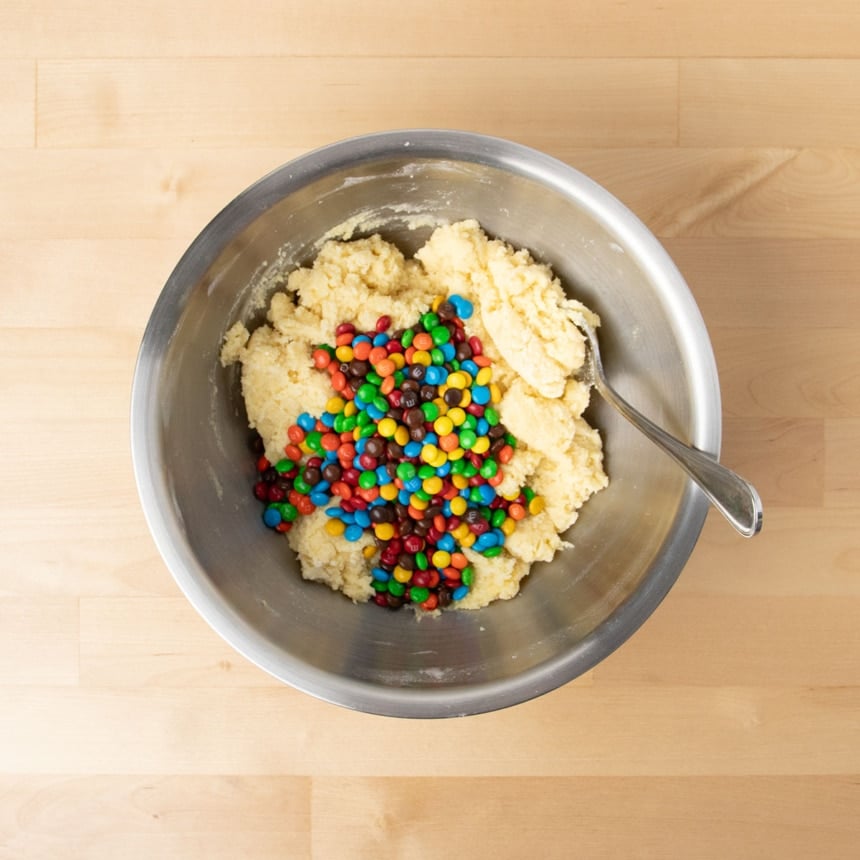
pixel 735 498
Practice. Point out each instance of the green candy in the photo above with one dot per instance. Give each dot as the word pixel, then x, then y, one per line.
pixel 492 552
pixel 301 485
pixel 421 561
pixel 437 357
pixel 426 472
pixel 350 423
pixel 374 378
pixel 362 419
pixel 423 495
pixel 396 588
pixel 457 467
pixel 469 470
pixel 489 469
pixel 467 439
pixel 366 480
pixel 367 392
pixel 367 430
pixel 511 440
pixel 497 518
pixel 470 423
pixel 379 586
pixel 288 512
pixel 529 493
pixel 429 321
pixel 440 335
pixel 406 338
pixel 419 595
pixel 467 575
pixel 430 410
pixel 329 349
pixel 313 440
pixel 406 471
pixel 338 422
pixel 399 378
pixel 284 465
pixel 491 415
pixel 381 403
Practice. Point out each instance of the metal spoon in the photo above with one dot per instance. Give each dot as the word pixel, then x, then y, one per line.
pixel 735 498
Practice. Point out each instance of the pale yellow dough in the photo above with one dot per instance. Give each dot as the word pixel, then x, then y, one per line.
pixel 525 321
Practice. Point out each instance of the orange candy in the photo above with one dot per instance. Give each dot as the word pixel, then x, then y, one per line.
pixel 385 367
pixel 345 339
pixel 321 359
pixel 449 442
pixel 293 452
pixel 330 442
pixel 458 560
pixel 496 479
pixel 481 360
pixel 516 512
pixel 362 350
pixel 423 341
pixel 505 454
pixel 387 384
pixel 295 434
pixel 377 354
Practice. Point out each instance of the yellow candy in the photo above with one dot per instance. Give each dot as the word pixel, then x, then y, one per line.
pixel 441 558
pixel 457 380
pixel 460 482
pixel 388 492
pixel 457 416
pixel 398 359
pixel 401 436
pixel 467 540
pixel 456 454
pixel 356 434
pixel 508 527
pixel 350 409
pixel 303 445
pixel 458 503
pixel 485 374
pixel 432 485
pixel 482 444
pixel 460 532
pixel 434 306
pixel 439 460
pixel 344 353
pixel 387 427
pixel 511 496
pixel 384 531
pixel 441 405
pixel 429 452
pixel 402 575
pixel 419 504
pixel 443 425
pixel 369 551
pixel 495 393
pixel 335 405
pixel 421 356
pixel 467 398
pixel 335 527
pixel 536 505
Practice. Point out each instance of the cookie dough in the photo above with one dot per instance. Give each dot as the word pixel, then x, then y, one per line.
pixel 525 322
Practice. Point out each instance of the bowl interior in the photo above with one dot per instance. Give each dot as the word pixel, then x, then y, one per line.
pixel 195 471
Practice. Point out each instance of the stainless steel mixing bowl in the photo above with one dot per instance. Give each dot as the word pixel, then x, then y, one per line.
pixel 194 472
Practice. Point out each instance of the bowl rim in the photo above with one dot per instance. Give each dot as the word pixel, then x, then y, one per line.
pixel 156 496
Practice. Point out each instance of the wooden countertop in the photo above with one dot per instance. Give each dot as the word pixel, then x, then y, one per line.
pixel 729 726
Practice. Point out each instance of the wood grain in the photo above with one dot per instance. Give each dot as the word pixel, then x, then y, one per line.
pixel 164 816
pixel 227 102
pixel 727 726
pixel 746 102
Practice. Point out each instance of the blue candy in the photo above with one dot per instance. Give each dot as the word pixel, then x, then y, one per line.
pixel 360 445
pixel 481 394
pixel 381 340
pixel 470 367
pixel 359 403
pixel 374 413
pixel 382 476
pixel 444 470
pixel 362 519
pixel 272 517
pixel 322 486
pixel 353 533
pixel 463 306
pixel 484 541
pixel 500 537
pixel 319 499
pixel 483 427
pixel 333 512
pixel 328 419
pixel 379 574
pixel 360 338
pixel 431 439
pixel 446 543
pixel 306 422
pixel 446 507
pixel 404 496
pixel 413 484
pixel 460 593
pixel 448 351
pixel 412 449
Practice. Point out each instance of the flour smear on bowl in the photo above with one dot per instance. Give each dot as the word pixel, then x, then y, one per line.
pixel 420 425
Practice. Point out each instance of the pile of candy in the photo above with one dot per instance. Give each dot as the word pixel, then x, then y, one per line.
pixel 411 449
